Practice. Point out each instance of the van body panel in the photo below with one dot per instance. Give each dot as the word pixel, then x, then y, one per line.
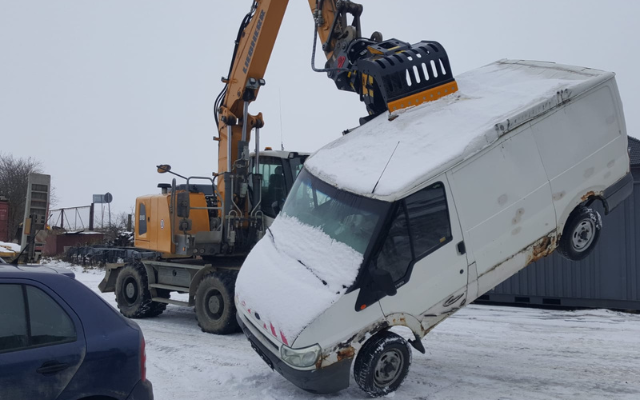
pixel 433 278
pixel 583 148
pixel 338 322
pixel 504 199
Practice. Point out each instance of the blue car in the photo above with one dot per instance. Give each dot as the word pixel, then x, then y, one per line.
pixel 60 340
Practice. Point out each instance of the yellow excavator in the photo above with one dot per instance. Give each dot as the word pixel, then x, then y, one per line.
pixel 193 237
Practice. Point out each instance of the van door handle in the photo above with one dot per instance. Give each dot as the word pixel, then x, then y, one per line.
pixel 461 248
pixel 51 367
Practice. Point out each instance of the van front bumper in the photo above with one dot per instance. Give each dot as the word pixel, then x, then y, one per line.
pixel 326 380
pixel 618 192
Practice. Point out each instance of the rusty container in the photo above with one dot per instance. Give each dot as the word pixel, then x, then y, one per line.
pixel 4 221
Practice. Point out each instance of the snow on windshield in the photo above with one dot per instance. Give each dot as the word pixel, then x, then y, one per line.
pixel 294 274
pixel 343 216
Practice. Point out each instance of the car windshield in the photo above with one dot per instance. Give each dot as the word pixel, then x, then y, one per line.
pixel 343 216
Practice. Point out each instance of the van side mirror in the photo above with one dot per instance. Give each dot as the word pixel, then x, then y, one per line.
pixel 383 282
pixel 183 205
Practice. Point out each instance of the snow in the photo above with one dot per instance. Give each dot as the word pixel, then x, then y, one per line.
pixel 482 352
pixel 11 246
pixel 294 274
pixel 425 140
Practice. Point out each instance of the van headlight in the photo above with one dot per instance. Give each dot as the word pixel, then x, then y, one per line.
pixel 300 358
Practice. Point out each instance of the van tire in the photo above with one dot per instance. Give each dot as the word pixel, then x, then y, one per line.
pixel 132 293
pixel 215 307
pixel 580 234
pixel 382 364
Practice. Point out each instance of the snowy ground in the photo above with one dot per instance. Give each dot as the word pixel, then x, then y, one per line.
pixel 483 352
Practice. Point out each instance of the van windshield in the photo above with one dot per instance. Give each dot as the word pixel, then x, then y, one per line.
pixel 343 216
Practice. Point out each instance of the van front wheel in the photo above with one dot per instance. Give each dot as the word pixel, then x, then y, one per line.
pixel 382 364
pixel 580 233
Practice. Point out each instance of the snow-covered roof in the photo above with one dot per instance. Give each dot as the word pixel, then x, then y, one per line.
pixel 386 159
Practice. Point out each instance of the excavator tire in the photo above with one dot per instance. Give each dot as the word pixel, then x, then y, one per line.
pixel 158 308
pixel 132 293
pixel 215 308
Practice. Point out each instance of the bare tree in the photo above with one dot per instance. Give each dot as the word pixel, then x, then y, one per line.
pixel 14 177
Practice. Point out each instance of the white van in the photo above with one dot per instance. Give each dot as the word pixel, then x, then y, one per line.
pixel 415 214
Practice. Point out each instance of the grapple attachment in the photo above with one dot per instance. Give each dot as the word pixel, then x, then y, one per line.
pixel 397 75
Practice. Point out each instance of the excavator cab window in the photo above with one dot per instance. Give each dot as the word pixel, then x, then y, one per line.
pixel 274 186
pixel 142 220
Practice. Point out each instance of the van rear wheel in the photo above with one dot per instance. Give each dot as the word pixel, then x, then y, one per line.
pixel 382 364
pixel 580 233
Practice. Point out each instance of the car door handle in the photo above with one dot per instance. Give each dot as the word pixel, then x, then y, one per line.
pixel 51 367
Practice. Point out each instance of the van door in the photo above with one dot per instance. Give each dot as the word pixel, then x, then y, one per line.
pixel 423 252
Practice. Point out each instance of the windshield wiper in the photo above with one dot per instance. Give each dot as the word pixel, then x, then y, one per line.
pixel 314 274
pixel 273 240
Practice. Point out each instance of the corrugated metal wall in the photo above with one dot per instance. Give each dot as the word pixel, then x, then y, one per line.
pixel 609 277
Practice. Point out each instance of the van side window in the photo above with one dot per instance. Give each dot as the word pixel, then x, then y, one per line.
pixel 428 219
pixel 395 255
pixel 142 220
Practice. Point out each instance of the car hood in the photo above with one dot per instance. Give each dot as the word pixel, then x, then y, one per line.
pixel 292 276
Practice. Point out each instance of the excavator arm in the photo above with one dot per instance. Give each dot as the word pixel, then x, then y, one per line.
pixel 387 75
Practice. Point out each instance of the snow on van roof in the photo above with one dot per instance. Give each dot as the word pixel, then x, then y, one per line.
pixel 388 159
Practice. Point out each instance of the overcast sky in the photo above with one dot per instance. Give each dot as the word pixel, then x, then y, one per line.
pixel 102 91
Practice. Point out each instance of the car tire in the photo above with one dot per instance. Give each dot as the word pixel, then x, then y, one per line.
pixel 215 307
pixel 580 234
pixel 382 364
pixel 132 293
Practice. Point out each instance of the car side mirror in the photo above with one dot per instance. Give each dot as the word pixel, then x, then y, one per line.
pixel 384 282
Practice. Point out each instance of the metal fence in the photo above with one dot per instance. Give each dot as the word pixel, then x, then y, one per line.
pixel 95 216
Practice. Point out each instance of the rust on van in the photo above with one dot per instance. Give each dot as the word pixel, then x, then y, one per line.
pixel 349 352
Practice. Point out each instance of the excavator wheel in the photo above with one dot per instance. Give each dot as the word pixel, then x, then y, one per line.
pixel 132 293
pixel 215 309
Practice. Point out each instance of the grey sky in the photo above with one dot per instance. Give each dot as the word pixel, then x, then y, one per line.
pixel 102 91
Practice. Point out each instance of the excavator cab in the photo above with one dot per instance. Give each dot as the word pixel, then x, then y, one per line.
pixel 279 169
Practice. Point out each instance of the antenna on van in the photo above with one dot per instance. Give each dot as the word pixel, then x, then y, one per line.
pixel 385 167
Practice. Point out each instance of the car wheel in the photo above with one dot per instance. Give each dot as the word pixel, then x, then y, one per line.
pixel 580 234
pixel 215 309
pixel 132 293
pixel 382 364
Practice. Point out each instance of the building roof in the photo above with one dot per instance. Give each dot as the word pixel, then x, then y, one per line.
pixel 388 157
pixel 634 151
